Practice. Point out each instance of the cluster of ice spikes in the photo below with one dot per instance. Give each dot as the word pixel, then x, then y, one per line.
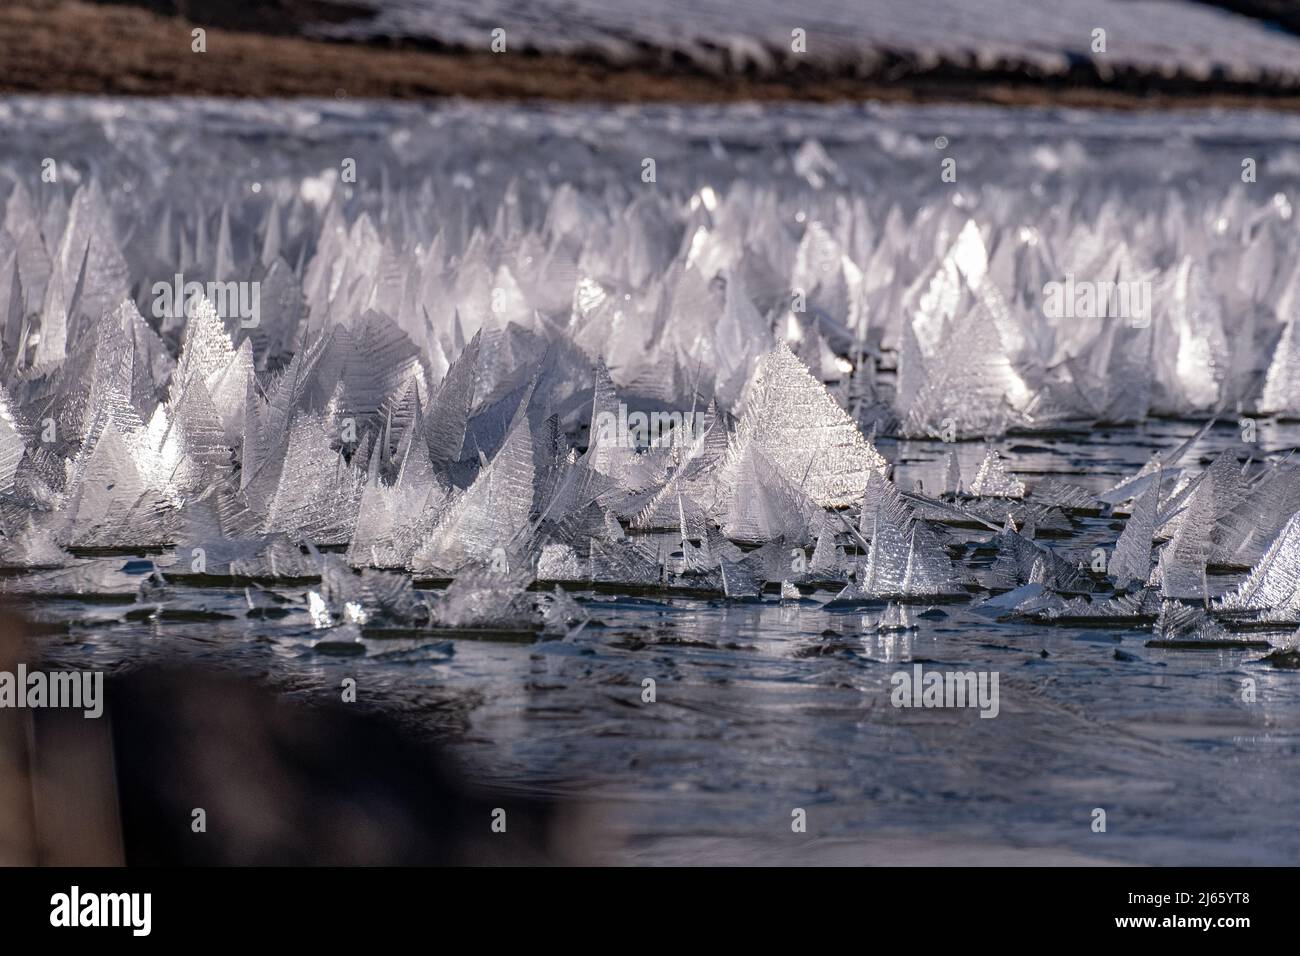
pixel 502 377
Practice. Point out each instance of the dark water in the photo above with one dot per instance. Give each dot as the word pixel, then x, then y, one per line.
pixel 763 708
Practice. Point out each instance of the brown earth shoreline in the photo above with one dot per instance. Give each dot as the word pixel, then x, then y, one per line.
pixel 128 47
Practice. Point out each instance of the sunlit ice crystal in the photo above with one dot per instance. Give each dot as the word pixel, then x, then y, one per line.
pixel 1213 496
pixel 1272 588
pixel 992 479
pixel 12 444
pixel 561 614
pixel 1131 561
pixel 560 562
pixel 904 559
pixel 791 419
pixel 392 520
pixel 624 562
pixel 318 494
pixel 763 503
pixel 110 502
pixel 1022 561
pixel 488 519
pixel 1282 385
pixel 481 598
pixel 1246 529
pixel 33 547
pixel 742 579
pixel 1182 568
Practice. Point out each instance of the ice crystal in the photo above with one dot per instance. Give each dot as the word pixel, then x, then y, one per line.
pixel 1273 585
pixel 992 479
pixel 1131 561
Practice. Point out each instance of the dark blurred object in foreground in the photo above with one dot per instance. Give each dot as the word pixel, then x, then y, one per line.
pixel 278 783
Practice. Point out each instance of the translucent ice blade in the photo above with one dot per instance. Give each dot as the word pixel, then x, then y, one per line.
pixel 904 560
pixel 487 521
pixel 480 598
pixel 971 388
pixel 318 494
pixel 793 421
pixel 1273 585
pixel 1282 384
pixel 450 406
pixel 1132 558
pixel 12 445
pixel 993 481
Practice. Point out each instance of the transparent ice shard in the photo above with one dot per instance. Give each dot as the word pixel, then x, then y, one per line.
pixel 22 222
pixel 791 419
pixel 392 520
pixel 318 495
pixel 1181 571
pixel 12 445
pixel 692 474
pixel 1272 588
pixel 607 451
pixel 827 561
pixel 1183 625
pixel 109 503
pixel 626 563
pixel 1055 493
pixel 742 335
pixel 1281 393
pixel 938 293
pixel 970 387
pixel 191 448
pixel 1245 530
pixel 1021 561
pixel 905 559
pixel 376 360
pixel 764 504
pixel 481 599
pixel 562 615
pixel 1027 600
pixel 89 274
pixel 206 350
pixel 1192 350
pixel 1112 381
pixel 33 547
pixel 951 475
pixel 1157 464
pixel 489 519
pixel 1131 561
pixel 1216 491
pixel 742 580
pixel 993 481
pixel 560 562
